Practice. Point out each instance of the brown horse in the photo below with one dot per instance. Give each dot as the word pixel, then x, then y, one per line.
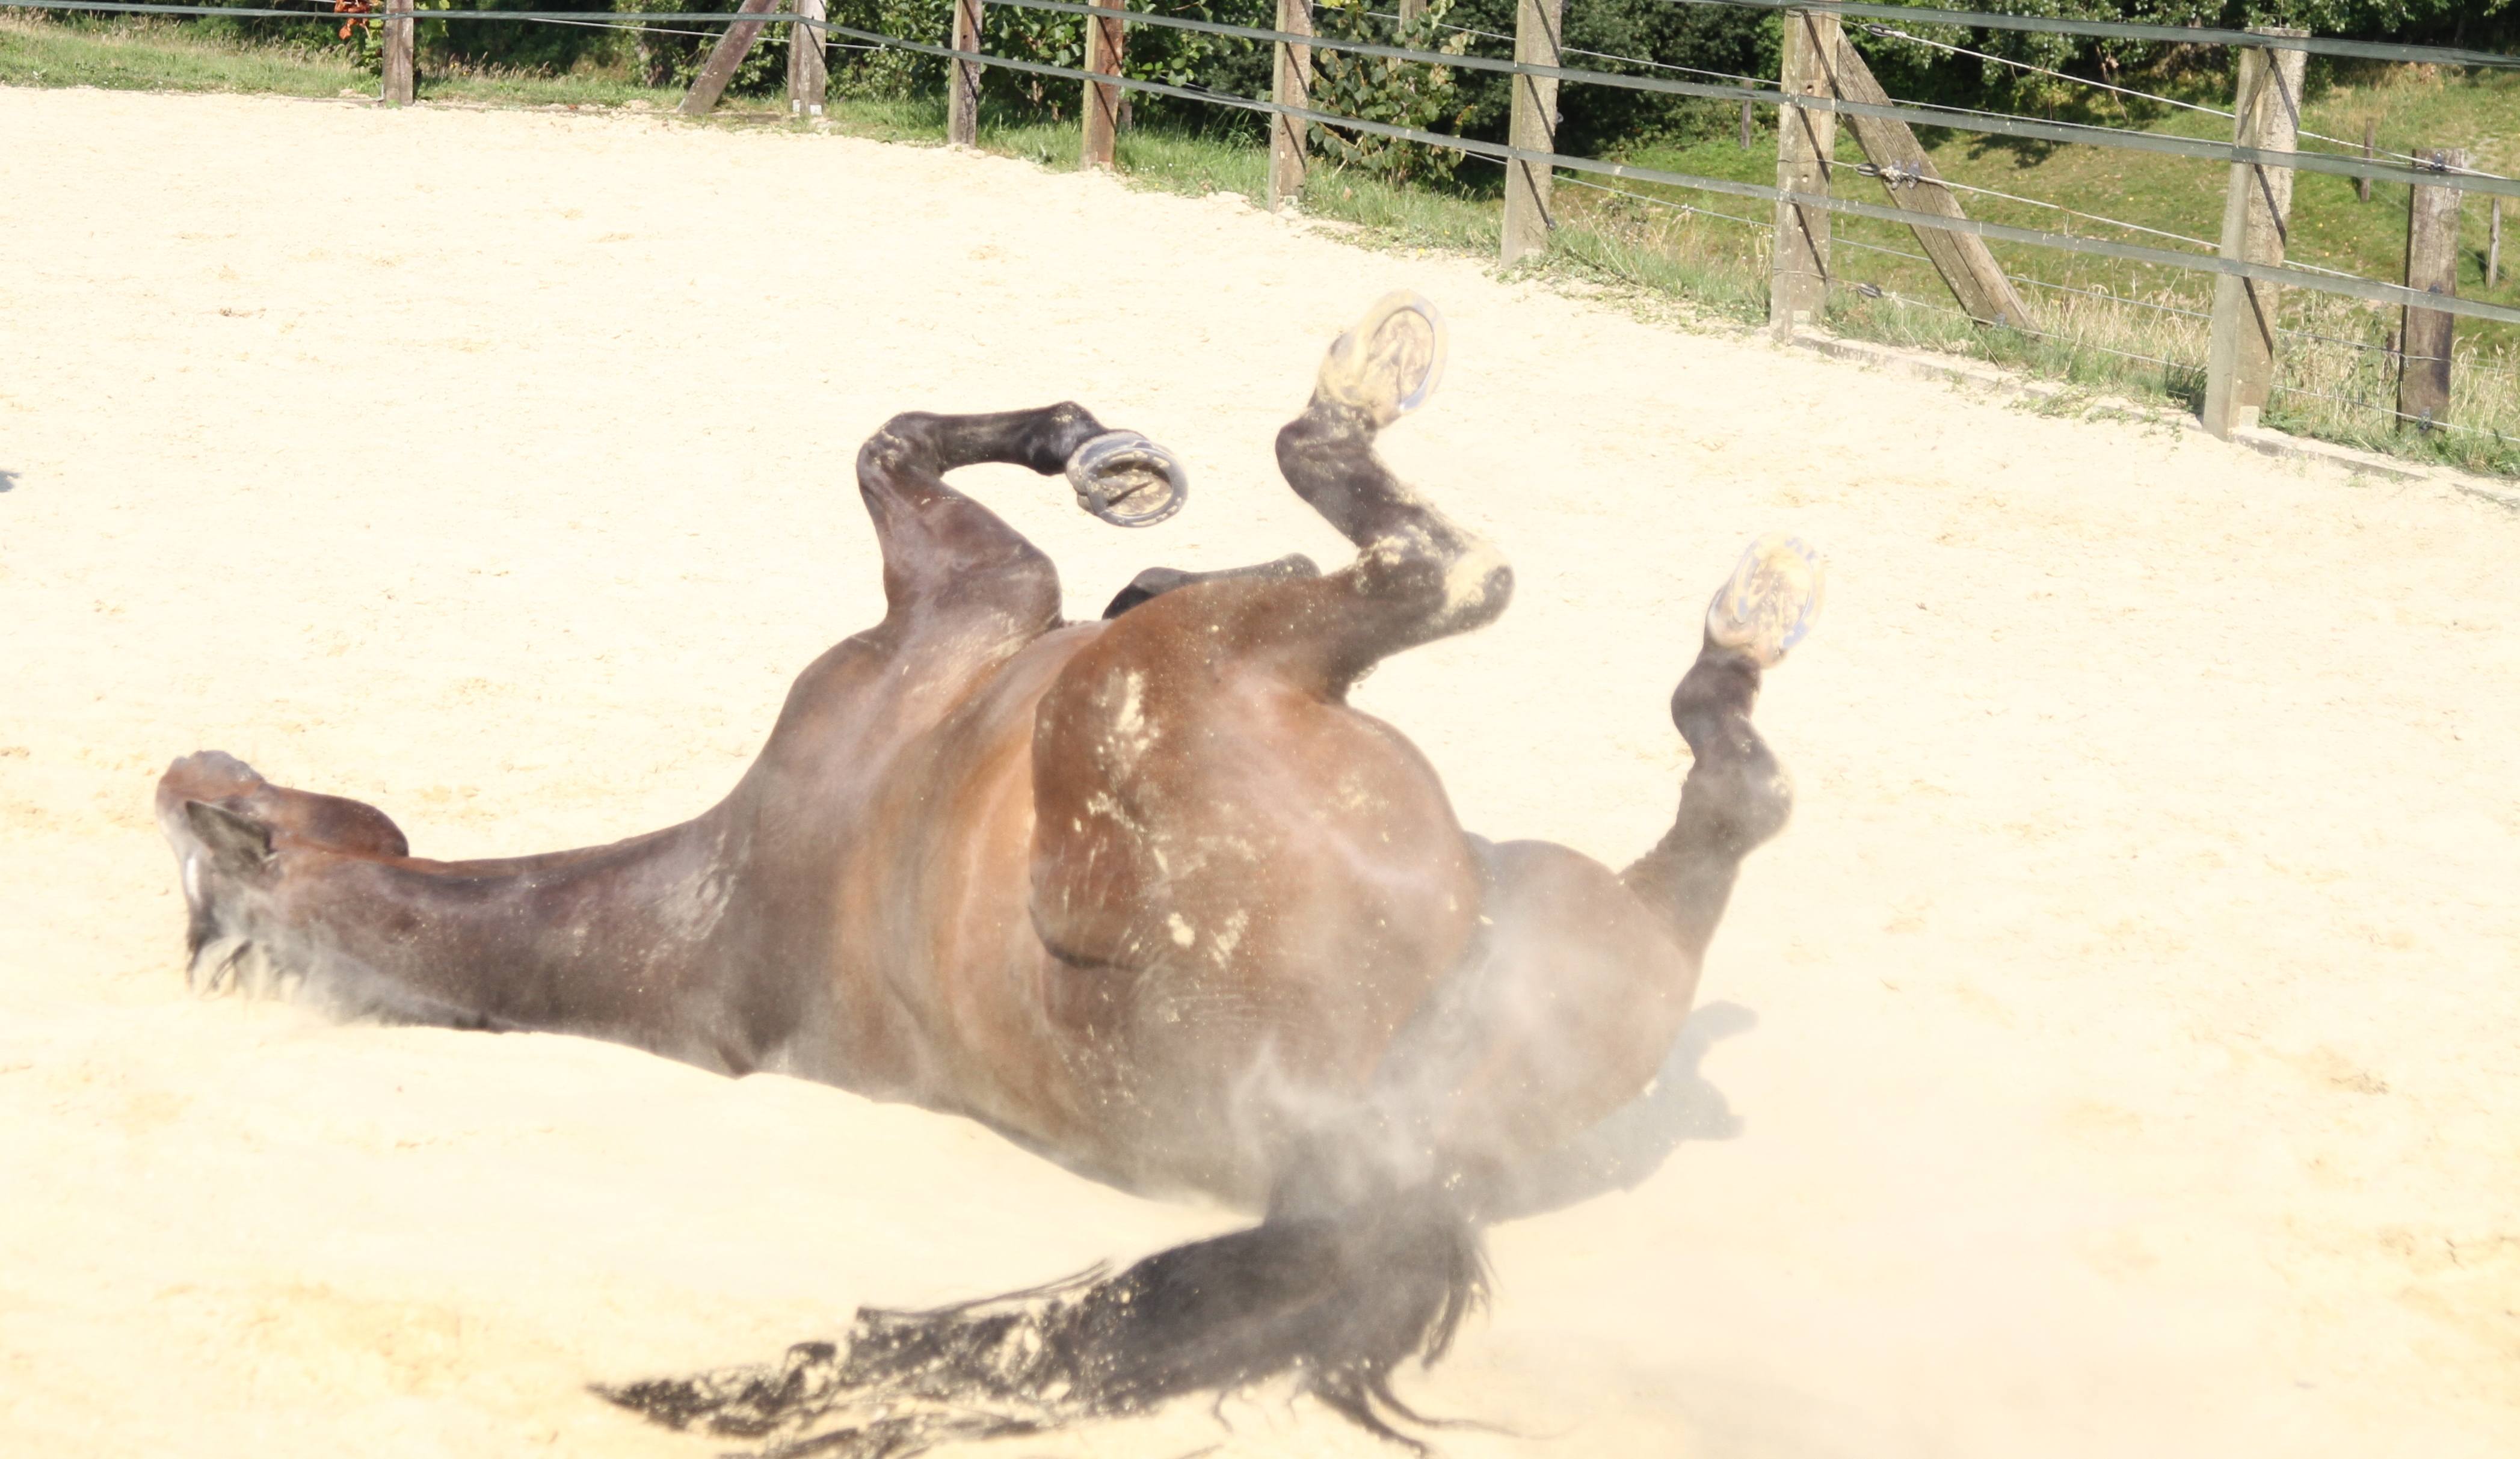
pixel 1143 893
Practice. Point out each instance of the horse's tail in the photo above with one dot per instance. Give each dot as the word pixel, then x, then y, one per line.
pixel 1338 1301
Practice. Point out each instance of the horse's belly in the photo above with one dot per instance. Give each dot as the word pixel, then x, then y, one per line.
pixel 940 978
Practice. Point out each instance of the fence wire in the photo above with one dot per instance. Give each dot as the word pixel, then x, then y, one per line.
pixel 2298 276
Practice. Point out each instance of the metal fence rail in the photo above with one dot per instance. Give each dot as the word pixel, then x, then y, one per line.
pixel 2291 278
pixel 1957 120
pixel 2181 35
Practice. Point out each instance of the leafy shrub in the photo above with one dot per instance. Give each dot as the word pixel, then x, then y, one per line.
pixel 665 54
pixel 1388 90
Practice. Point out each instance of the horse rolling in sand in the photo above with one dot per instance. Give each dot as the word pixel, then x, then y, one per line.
pixel 1143 893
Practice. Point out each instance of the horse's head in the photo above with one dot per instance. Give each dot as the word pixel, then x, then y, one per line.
pixel 234 835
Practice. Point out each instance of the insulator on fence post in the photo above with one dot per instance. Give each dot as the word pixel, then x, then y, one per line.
pixel 398 79
pixel 1539 36
pixel 2432 265
pixel 808 78
pixel 963 78
pixel 1798 261
pixel 1895 156
pixel 1102 113
pixel 1291 85
pixel 2257 210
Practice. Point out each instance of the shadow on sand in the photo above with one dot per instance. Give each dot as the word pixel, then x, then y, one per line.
pixel 1633 1141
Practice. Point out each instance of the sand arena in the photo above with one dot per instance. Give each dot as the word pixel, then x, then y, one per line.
pixel 2116 1055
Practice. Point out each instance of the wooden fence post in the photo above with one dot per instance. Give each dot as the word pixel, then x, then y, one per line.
pixel 2432 265
pixel 963 78
pixel 1798 261
pixel 809 79
pixel 398 53
pixel 1968 266
pixel 2362 185
pixel 724 58
pixel 1293 86
pixel 1538 35
pixel 2257 211
pixel 2494 247
pixel 1102 51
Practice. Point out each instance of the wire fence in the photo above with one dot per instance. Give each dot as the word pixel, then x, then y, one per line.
pixel 1583 172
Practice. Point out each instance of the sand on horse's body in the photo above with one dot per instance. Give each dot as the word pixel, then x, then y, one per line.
pixel 1144 892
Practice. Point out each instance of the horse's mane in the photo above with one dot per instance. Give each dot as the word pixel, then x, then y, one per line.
pixel 1337 1301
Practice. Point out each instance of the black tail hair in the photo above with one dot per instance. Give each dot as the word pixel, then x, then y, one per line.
pixel 1339 1300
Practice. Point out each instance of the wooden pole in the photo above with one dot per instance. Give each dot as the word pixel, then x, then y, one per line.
pixel 1539 36
pixel 1410 10
pixel 963 78
pixel 2362 185
pixel 1745 125
pixel 724 58
pixel 809 79
pixel 1291 86
pixel 1103 50
pixel 398 53
pixel 2432 265
pixel 1968 268
pixel 2494 247
pixel 1799 262
pixel 2256 210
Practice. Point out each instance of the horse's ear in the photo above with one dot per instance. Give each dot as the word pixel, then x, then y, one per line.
pixel 238 846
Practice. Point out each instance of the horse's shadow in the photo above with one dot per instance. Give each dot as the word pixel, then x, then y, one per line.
pixel 8 480
pixel 1632 1142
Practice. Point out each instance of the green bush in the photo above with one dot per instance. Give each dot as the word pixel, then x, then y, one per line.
pixel 665 54
pixel 1385 89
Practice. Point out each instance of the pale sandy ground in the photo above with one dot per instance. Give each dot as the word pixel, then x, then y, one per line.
pixel 2130 1065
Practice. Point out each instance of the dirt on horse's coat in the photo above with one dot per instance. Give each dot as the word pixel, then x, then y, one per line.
pixel 1144 893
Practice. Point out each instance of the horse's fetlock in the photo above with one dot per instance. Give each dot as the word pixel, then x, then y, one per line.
pixel 887 451
pixel 1478 582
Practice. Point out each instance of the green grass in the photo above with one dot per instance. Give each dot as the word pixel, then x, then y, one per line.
pixel 2414 109
pixel 148 55
pixel 1707 260
pixel 145 55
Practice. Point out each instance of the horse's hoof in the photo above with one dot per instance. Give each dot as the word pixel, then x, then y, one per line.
pixel 1769 603
pixel 1127 480
pixel 1390 362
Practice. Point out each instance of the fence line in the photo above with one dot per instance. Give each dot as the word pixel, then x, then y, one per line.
pixel 2179 35
pixel 2243 268
pixel 1957 119
pixel 2293 278
pixel 1665 66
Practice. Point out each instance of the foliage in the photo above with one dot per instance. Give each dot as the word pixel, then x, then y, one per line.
pixel 666 54
pixel 1709 43
pixel 1393 92
pixel 516 46
pixel 1916 60
pixel 1148 53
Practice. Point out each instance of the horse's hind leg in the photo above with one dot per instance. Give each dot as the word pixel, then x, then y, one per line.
pixel 1417 576
pixel 1736 796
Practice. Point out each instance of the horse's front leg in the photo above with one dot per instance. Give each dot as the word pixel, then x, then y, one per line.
pixel 944 552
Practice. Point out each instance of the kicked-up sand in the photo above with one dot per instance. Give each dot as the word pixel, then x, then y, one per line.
pixel 2119 1054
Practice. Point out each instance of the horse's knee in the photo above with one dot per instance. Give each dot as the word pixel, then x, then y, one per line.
pixel 934 443
pixel 1736 806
